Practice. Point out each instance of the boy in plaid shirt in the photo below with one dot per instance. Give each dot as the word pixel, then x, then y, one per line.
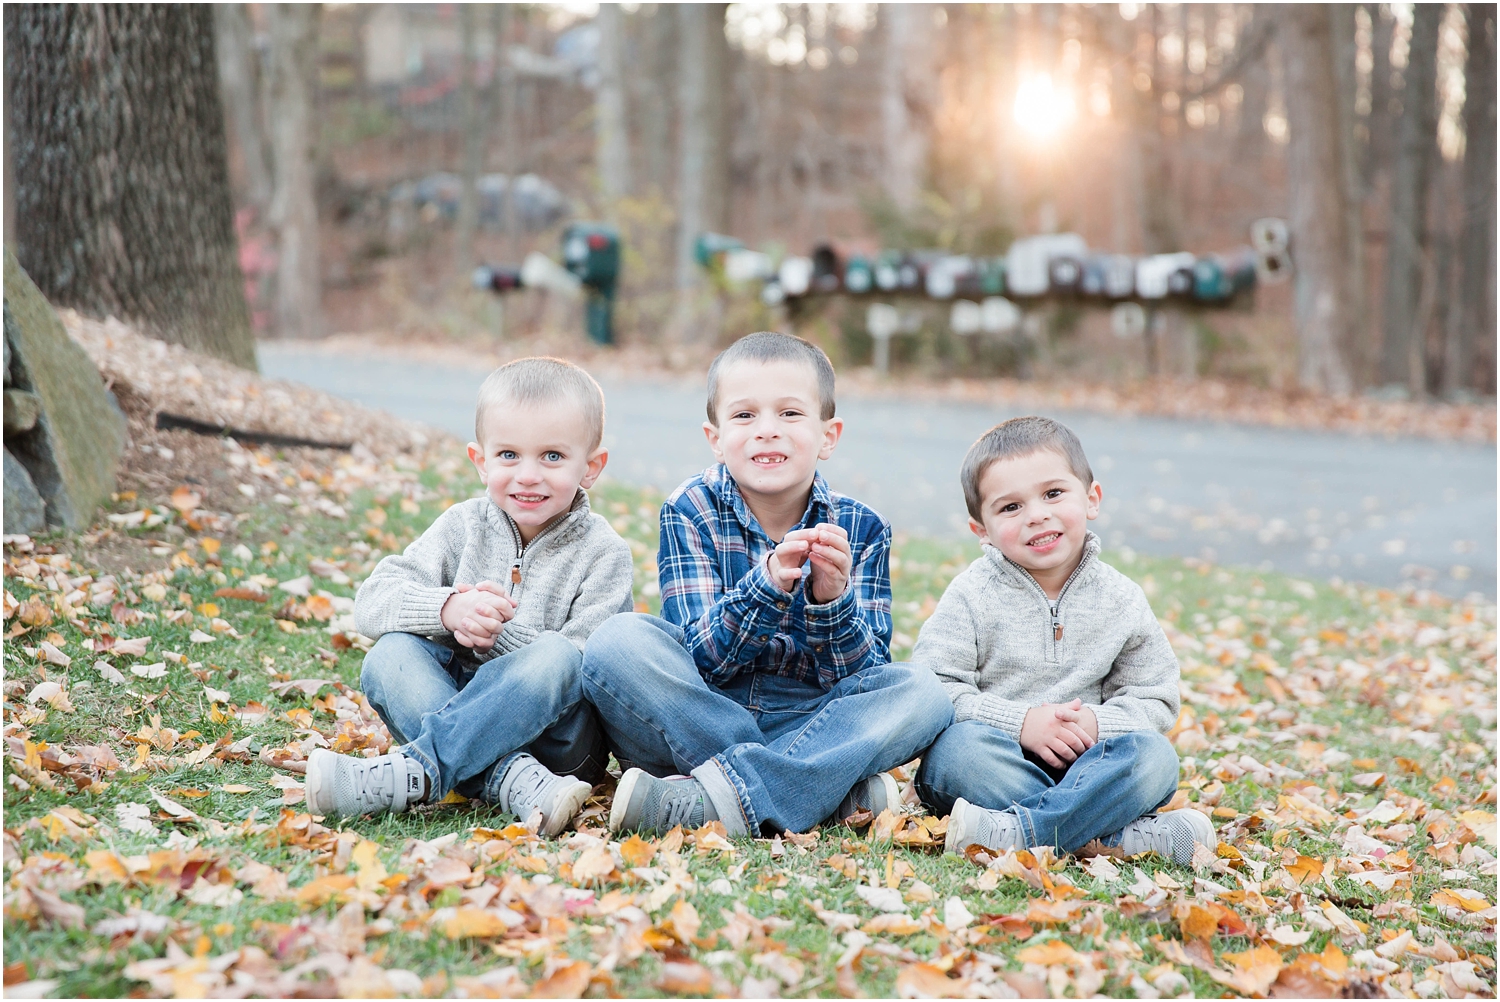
pixel 767 678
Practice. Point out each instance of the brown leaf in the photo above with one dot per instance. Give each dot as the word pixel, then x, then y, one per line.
pixel 56 911
pixel 186 500
pixel 243 594
pixel 891 925
pixel 474 923
pixel 923 981
pixel 685 921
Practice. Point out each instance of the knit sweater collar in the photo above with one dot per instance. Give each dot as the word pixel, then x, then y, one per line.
pixel 563 525
pixel 1021 577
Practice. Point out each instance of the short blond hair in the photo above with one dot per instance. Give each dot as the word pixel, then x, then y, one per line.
pixel 773 346
pixel 542 380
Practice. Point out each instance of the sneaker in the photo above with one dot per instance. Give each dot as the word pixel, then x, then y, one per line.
pixel 1171 835
pixel 345 786
pixel 528 787
pixel 654 806
pixel 970 824
pixel 873 793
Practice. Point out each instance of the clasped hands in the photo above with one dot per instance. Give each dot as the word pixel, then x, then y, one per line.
pixel 826 548
pixel 1057 733
pixel 476 613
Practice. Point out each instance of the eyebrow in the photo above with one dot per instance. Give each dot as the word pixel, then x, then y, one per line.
pixel 1044 484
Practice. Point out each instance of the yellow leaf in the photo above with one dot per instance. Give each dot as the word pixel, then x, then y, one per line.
pixel 317 892
pixel 636 851
pixel 1199 923
pixel 1255 970
pixel 210 545
pixel 209 609
pixel 1305 870
pixel 594 864
pixel 188 794
pixel 366 859
pixel 236 788
pixel 473 923
pixel 891 925
pixel 1481 823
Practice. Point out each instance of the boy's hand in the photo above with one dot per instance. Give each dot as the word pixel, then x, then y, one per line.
pixel 785 562
pixel 475 614
pixel 1081 716
pixel 832 561
pixel 1050 736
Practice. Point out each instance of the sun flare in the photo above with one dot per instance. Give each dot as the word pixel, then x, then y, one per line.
pixel 1042 109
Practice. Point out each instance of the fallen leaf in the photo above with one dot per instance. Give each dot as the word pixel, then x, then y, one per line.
pixel 567 982
pixel 892 925
pixel 636 851
pixel 685 977
pixel 474 923
pixel 924 981
pixel 1053 951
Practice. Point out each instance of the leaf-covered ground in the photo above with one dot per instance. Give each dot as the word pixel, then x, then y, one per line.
pixel 1342 739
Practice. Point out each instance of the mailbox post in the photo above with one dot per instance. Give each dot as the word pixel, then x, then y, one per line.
pixel 591 251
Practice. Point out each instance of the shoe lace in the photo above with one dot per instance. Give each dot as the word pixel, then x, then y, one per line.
pixel 528 789
pixel 679 806
pixel 376 783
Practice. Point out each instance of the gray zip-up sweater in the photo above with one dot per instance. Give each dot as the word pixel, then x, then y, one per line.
pixel 1000 646
pixel 569 579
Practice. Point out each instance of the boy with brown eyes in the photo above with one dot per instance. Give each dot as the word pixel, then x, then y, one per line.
pixel 481 622
pixel 1062 681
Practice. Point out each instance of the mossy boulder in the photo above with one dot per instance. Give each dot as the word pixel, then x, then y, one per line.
pixel 72 448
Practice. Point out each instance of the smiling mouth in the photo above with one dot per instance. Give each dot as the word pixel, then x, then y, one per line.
pixel 768 459
pixel 1046 539
pixel 529 498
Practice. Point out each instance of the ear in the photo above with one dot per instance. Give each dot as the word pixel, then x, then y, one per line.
pixel 595 467
pixel 977 528
pixel 833 430
pixel 476 456
pixel 1095 496
pixel 711 432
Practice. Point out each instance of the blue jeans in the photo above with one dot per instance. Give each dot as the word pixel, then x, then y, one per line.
pixel 773 753
pixel 1103 790
pixel 464 721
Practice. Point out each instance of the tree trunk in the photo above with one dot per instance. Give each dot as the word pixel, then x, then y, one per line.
pixel 474 109
pixel 906 80
pixel 718 72
pixel 1315 176
pixel 122 202
pixel 510 157
pixel 238 80
pixel 1362 344
pixel 1377 156
pixel 654 100
pixel 692 84
pixel 1411 174
pixel 612 143
pixel 297 308
pixel 1474 364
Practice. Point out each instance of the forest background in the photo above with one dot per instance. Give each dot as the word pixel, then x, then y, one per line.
pixel 369 148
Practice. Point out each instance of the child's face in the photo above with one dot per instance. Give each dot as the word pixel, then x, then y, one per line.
pixel 770 433
pixel 1035 511
pixel 533 461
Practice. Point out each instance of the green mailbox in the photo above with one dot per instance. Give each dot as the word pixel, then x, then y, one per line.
pixel 591 251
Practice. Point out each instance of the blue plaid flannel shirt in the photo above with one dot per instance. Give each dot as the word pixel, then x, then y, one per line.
pixel 714 584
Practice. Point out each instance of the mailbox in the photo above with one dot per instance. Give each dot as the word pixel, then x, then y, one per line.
pixel 591 251
pixel 991 275
pixel 711 249
pixel 945 273
pixel 887 271
pixel 1028 263
pixel 1153 275
pixel 795 276
pixel 1064 274
pixel 826 269
pixel 1180 279
pixel 859 275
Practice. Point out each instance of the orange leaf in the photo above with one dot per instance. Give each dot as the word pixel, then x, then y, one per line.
pixel 1305 870
pixel 566 982
pixel 685 977
pixel 318 891
pixel 1255 970
pixel 636 851
pixel 685 921
pixel 1054 951
pixel 186 500
pixel 891 925
pixel 1198 923
pixel 474 923
pixel 923 981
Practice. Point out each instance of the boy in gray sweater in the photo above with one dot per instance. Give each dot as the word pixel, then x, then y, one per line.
pixel 1061 678
pixel 481 622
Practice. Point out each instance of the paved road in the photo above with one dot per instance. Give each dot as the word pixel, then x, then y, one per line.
pixel 1367 509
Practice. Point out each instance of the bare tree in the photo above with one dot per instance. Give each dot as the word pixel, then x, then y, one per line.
pixel 693 137
pixel 612 145
pixel 1411 176
pixel 906 83
pixel 1315 175
pixel 718 74
pixel 1341 18
pixel 122 202
pixel 297 307
pixel 239 82
pixel 475 107
pixel 1474 362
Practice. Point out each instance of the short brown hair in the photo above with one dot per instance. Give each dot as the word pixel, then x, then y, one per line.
pixel 1012 439
pixel 543 380
pixel 770 346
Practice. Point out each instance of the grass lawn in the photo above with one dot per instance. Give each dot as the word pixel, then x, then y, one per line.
pixel 1342 738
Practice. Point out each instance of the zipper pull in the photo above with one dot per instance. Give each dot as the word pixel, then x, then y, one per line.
pixel 1057 627
pixel 515 576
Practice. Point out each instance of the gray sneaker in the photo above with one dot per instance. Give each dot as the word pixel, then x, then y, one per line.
pixel 654 806
pixel 1171 835
pixel 873 793
pixel 970 824
pixel 528 787
pixel 345 786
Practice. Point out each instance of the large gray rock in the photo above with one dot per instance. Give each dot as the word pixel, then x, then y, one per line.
pixel 71 450
pixel 25 512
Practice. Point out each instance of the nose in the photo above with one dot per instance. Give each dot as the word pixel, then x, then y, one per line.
pixel 529 472
pixel 768 426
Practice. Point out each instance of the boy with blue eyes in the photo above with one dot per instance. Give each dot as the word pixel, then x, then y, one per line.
pixel 481 622
pixel 766 680
pixel 1062 681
